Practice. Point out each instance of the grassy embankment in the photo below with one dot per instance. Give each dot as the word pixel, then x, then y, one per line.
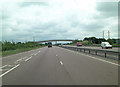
pixel 10 52
pixel 9 48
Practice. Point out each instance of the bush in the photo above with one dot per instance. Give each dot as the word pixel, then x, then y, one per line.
pixel 86 43
pixel 13 46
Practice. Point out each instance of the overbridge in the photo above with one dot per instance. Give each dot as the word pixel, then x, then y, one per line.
pixel 55 40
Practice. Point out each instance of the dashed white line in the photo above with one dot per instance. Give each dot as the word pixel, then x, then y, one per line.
pixel 19 59
pixel 24 57
pixel 9 70
pixel 61 62
pixel 32 54
pixel 36 53
pixel 3 66
pixel 28 58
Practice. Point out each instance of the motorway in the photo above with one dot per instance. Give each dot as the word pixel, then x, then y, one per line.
pixel 58 66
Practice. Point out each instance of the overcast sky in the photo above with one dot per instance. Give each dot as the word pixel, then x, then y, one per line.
pixel 58 19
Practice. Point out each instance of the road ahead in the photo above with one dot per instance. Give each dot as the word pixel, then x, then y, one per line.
pixel 59 66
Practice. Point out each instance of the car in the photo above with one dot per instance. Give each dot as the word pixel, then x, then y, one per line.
pixel 79 43
pixel 49 44
pixel 106 45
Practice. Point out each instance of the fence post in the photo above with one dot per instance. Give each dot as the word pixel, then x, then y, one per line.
pixel 84 50
pixel 96 52
pixel 77 49
pixel 105 54
pixel 118 56
pixel 89 51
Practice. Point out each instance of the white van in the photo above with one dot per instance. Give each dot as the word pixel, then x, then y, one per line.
pixel 106 45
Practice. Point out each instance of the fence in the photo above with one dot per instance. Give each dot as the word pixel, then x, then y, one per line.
pixel 103 53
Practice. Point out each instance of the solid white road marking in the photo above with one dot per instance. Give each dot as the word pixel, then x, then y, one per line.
pixel 96 58
pixel 9 70
pixel 61 62
pixel 104 60
pixel 28 58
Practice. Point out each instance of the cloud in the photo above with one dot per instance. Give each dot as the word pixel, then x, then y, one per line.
pixel 108 9
pixel 105 10
pixel 26 4
pixel 59 19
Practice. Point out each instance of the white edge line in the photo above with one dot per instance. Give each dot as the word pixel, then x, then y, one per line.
pixel 103 60
pixel 96 58
pixel 9 70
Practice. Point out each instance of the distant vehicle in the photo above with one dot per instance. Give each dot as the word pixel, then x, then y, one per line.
pixel 79 43
pixel 49 44
pixel 106 45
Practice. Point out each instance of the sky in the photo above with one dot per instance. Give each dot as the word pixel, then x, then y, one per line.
pixel 58 19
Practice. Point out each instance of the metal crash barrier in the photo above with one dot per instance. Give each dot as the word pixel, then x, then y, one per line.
pixel 103 53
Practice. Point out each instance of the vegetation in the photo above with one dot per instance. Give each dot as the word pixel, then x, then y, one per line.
pixel 93 41
pixel 8 48
pixel 75 41
pixel 86 43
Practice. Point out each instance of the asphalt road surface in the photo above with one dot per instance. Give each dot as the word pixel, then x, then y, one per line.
pixel 59 66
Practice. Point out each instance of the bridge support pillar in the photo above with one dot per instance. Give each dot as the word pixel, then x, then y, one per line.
pixel 55 42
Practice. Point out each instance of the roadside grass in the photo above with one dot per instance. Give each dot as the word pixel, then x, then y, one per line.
pixel 0 53
pixel 10 52
pixel 73 44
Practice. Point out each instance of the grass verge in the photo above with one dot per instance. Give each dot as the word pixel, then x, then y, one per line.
pixel 10 52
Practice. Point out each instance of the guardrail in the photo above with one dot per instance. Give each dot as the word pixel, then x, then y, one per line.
pixel 103 53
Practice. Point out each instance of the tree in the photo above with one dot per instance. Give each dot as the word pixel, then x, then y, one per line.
pixel 90 39
pixel 76 40
pixel 110 41
pixel 94 40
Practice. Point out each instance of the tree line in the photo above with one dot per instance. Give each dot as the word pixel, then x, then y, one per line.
pixel 94 40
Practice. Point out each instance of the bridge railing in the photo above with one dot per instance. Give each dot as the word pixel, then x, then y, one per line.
pixel 103 53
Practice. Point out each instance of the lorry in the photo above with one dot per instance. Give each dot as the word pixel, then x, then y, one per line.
pixel 49 44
